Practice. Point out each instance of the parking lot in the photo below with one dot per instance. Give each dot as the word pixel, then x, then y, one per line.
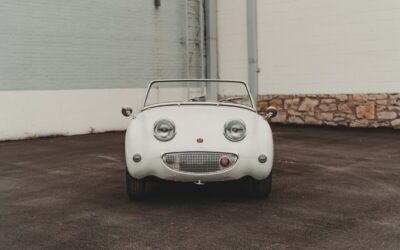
pixel 332 188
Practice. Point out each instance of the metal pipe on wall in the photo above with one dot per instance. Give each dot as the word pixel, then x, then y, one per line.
pixel 211 39
pixel 211 45
pixel 187 39
pixel 202 41
pixel 252 48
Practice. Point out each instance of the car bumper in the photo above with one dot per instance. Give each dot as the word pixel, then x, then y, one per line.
pixel 246 165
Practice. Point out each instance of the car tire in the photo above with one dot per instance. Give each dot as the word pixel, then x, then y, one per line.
pixel 261 188
pixel 134 187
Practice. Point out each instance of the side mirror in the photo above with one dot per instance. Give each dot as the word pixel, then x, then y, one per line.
pixel 271 112
pixel 126 111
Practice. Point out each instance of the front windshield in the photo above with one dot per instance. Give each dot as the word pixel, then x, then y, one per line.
pixel 184 91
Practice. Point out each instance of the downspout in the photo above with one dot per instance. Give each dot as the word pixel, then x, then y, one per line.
pixel 210 7
pixel 187 40
pixel 202 40
pixel 252 48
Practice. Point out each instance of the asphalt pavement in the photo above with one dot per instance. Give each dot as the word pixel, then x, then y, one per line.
pixel 333 188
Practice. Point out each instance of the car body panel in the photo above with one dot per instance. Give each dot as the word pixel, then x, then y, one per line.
pixel 191 123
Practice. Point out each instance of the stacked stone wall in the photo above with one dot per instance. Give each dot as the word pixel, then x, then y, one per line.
pixel 352 110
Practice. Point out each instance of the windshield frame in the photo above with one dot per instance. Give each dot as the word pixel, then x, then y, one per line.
pixel 198 103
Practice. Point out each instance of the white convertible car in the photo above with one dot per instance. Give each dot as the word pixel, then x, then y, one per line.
pixel 198 131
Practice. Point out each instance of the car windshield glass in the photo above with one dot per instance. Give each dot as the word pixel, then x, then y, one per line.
pixel 183 91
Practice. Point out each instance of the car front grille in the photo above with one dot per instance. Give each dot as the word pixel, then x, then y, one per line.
pixel 198 162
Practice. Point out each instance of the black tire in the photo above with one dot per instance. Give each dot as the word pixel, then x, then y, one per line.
pixel 261 188
pixel 134 187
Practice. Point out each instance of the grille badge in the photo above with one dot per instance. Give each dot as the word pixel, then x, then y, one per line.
pixel 199 140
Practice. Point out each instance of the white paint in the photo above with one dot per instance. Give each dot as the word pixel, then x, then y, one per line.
pixel 110 50
pixel 333 46
pixel 314 46
pixel 193 122
pixel 232 39
pixel 37 113
pixel 95 44
pixel 26 114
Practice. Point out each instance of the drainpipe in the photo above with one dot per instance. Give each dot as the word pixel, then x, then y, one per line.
pixel 210 7
pixel 187 40
pixel 202 39
pixel 252 48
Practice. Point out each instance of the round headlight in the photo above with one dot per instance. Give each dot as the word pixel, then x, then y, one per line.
pixel 164 130
pixel 235 130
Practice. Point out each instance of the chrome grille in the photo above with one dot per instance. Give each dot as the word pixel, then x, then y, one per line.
pixel 197 162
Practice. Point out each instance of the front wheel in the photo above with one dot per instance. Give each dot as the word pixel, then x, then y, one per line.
pixel 134 187
pixel 261 188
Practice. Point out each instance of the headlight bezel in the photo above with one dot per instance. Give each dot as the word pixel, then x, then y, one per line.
pixel 170 125
pixel 229 128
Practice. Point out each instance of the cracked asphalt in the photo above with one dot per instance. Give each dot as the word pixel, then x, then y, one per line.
pixel 333 188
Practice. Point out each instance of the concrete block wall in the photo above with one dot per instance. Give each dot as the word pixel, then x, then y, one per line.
pixel 195 28
pixel 69 66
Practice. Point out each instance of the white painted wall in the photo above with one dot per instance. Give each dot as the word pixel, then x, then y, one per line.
pixel 36 113
pixel 232 39
pixel 314 46
pixel 94 44
pixel 331 46
pixel 67 67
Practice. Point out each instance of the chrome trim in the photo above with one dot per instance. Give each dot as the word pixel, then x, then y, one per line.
pixel 200 80
pixel 173 130
pixel 226 126
pixel 198 162
pixel 198 103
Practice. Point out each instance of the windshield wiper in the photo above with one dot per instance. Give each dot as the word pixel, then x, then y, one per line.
pixel 231 99
pixel 201 98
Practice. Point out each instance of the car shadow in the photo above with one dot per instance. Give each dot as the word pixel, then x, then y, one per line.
pixel 218 191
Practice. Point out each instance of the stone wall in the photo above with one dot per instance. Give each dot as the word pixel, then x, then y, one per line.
pixel 352 110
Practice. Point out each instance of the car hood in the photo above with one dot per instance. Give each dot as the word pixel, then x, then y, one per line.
pixel 197 121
